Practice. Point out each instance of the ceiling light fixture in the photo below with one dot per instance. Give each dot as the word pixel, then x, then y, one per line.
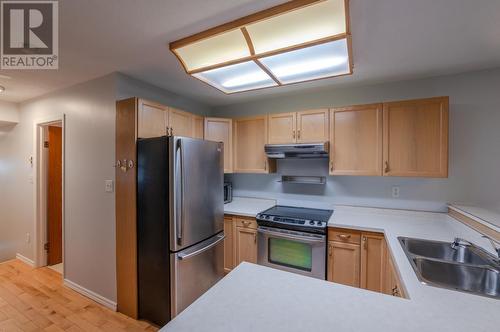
pixel 298 41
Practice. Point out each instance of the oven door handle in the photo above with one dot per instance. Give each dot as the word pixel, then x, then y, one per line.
pixel 309 239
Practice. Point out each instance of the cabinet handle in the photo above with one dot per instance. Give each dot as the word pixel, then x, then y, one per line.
pixel 329 250
pixel 171 131
pixel 245 222
pixel 168 131
pixel 395 291
pixel 344 236
pixel 365 244
pixel 331 166
pixel 254 237
pixel 265 165
pixel 298 134
pixel 293 133
pixel 386 169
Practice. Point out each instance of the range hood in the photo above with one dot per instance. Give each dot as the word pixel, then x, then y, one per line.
pixel 303 150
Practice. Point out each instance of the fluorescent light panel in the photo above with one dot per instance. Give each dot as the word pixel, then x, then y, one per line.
pixel 305 43
pixel 239 77
pixel 315 62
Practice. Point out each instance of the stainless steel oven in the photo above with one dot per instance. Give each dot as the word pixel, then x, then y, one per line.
pixel 294 251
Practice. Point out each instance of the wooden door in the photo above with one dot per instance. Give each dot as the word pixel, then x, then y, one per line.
pixel 54 197
pixel 152 119
pixel 343 263
pixel 356 140
pixel 249 139
pixel 282 128
pixel 416 138
pixel 312 126
pixel 228 244
pixel 221 130
pixel 180 122
pixel 373 260
pixel 246 245
pixel 198 126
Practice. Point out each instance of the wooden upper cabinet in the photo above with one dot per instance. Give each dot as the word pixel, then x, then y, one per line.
pixel 152 119
pixel 356 140
pixel 221 130
pixel 416 138
pixel 198 127
pixel 312 126
pixel 343 263
pixel 282 128
pixel 373 261
pixel 249 138
pixel 180 122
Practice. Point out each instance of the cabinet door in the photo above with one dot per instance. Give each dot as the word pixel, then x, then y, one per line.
pixel 246 245
pixel 228 244
pixel 282 128
pixel 356 140
pixel 198 126
pixel 250 136
pixel 312 126
pixel 221 130
pixel 392 284
pixel 373 259
pixel 343 263
pixel 180 122
pixel 416 138
pixel 152 119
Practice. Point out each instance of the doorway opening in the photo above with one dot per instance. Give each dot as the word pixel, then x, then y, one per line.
pixel 50 195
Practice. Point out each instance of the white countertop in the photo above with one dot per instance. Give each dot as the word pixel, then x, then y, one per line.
pixel 256 298
pixel 248 207
pixel 483 216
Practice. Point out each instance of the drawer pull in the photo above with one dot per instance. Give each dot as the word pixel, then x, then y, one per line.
pixel 246 222
pixel 344 236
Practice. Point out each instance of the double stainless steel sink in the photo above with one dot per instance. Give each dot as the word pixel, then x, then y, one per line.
pixel 462 267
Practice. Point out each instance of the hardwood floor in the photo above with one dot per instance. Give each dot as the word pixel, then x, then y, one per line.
pixel 36 300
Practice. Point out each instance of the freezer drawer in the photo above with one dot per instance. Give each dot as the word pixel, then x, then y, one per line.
pixel 194 270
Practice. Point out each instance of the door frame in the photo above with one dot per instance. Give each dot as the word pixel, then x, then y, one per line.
pixel 40 184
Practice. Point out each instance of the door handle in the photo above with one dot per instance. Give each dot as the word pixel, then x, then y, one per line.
pixel 199 251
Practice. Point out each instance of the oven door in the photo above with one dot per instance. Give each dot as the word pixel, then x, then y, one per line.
pixel 293 251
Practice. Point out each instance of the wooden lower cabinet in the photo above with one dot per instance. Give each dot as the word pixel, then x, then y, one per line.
pixel 373 261
pixel 245 245
pixel 240 244
pixel 343 263
pixel 361 259
pixel 228 244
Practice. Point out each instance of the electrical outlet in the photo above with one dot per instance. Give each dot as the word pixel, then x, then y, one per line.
pixel 108 186
pixel 28 238
pixel 395 192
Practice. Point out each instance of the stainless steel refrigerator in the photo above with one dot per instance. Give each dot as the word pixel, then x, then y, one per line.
pixel 180 207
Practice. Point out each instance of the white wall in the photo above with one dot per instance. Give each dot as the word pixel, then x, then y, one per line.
pixel 9 113
pixel 90 257
pixel 474 146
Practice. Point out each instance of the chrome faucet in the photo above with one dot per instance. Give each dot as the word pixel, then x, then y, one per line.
pixel 494 244
pixel 458 241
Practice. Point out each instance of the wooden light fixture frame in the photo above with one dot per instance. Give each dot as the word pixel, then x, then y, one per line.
pixel 256 17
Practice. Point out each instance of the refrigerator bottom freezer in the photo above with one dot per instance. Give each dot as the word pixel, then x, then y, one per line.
pixel 194 270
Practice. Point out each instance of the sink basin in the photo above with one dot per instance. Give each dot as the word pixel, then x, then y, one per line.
pixel 443 251
pixel 480 280
pixel 466 268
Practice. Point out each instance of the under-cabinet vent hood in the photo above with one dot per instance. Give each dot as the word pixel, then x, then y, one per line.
pixel 304 150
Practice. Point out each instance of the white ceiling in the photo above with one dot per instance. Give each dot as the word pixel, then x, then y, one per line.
pixel 392 40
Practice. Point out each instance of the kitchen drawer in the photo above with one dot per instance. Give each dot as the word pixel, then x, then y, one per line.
pixel 246 222
pixel 344 235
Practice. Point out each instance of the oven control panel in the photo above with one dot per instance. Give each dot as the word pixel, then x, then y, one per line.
pixel 291 221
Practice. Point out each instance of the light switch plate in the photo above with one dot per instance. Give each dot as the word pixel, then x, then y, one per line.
pixel 108 186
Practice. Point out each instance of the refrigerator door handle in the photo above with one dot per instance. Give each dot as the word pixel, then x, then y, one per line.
pixel 218 239
pixel 180 213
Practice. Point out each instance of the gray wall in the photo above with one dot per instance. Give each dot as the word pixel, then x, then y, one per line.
pixel 474 175
pixel 90 253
